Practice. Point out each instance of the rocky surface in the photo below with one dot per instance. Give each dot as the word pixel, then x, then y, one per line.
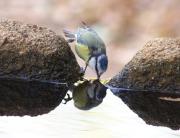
pixel 153 76
pixel 29 51
pixel 31 58
pixel 156 66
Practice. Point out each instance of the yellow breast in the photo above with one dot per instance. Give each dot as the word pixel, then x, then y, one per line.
pixel 82 51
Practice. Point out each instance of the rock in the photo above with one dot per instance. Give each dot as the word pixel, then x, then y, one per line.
pixel 153 80
pixel 31 58
pixel 29 51
pixel 156 66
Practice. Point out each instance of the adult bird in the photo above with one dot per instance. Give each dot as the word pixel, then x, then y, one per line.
pixel 89 47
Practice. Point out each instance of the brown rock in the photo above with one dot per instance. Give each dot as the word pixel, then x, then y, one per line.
pixel 155 67
pixel 30 51
pixel 150 83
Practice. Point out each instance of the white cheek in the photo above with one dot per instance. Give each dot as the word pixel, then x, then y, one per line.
pixel 92 63
pixel 76 37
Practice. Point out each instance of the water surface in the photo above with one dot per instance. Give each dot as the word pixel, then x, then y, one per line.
pixel 112 119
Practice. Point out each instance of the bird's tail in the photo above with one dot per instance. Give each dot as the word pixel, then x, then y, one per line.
pixel 84 25
pixel 69 35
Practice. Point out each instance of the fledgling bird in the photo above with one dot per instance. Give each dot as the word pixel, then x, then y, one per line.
pixel 89 47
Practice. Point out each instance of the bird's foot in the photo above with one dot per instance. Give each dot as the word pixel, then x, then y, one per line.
pixel 69 98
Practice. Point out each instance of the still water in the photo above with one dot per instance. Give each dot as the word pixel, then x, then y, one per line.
pixel 112 119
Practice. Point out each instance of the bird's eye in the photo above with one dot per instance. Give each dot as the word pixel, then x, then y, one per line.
pixel 94 48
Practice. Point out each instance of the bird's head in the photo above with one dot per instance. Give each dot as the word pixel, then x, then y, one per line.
pixel 99 64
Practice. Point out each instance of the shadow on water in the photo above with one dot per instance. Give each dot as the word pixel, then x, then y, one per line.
pixel 29 97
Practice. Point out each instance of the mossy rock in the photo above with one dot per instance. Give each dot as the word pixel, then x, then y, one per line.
pixel 153 80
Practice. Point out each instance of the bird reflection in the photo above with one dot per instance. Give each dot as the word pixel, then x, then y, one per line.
pixel 88 94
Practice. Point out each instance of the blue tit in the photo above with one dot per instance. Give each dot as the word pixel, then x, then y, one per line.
pixel 89 47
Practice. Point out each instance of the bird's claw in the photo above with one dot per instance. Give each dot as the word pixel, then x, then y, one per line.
pixel 69 98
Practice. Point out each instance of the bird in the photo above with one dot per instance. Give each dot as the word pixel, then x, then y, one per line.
pixel 89 47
